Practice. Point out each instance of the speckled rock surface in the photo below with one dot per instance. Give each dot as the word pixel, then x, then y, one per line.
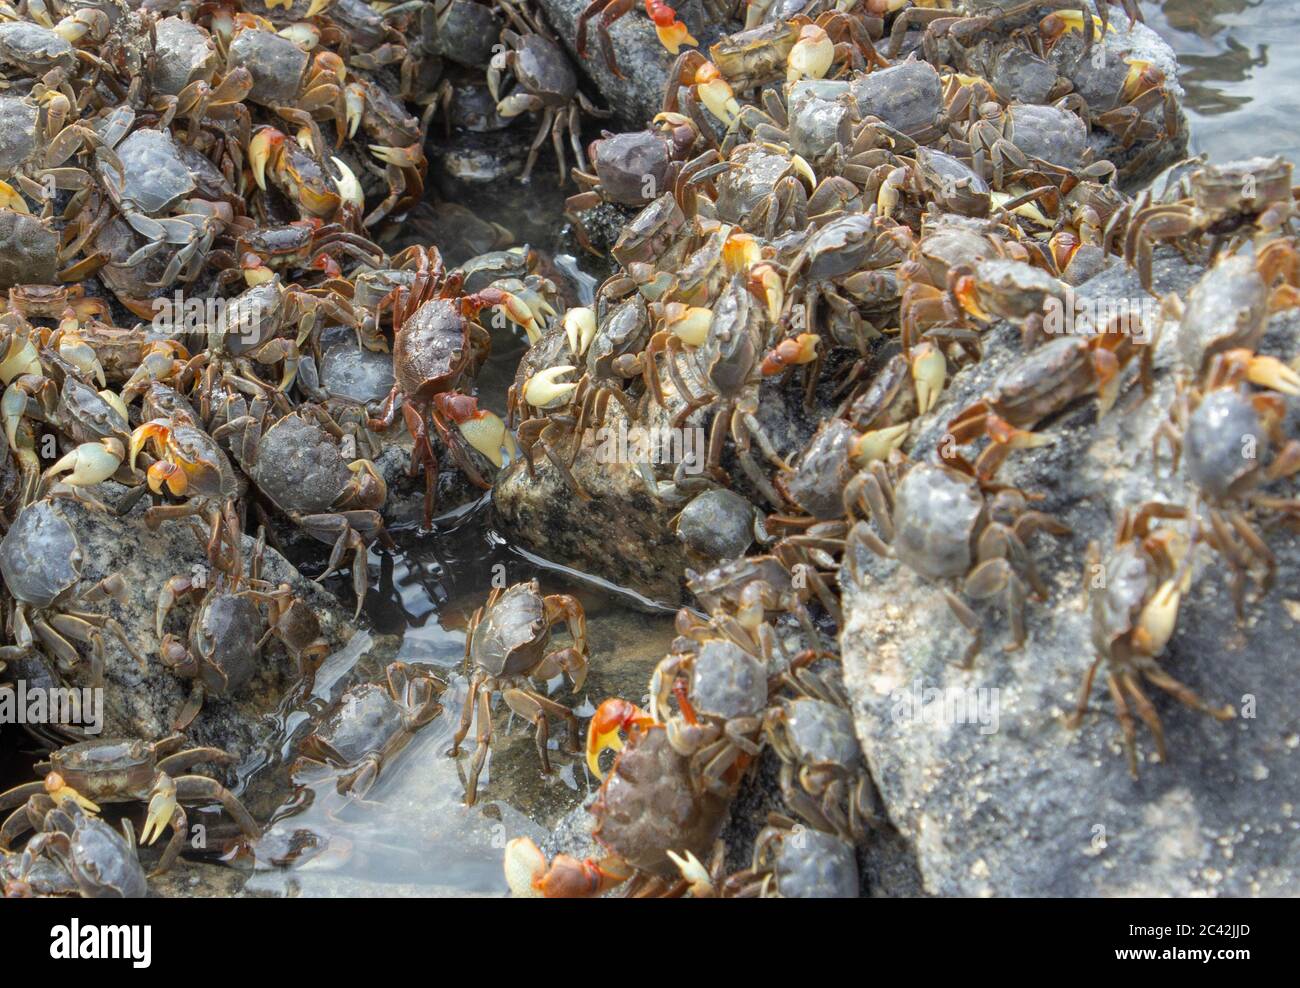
pixel 1032 807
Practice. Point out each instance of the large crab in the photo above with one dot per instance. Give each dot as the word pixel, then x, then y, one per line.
pixel 1134 611
pixel 653 822
pixel 126 771
pixel 507 643
pixel 943 524
pixel 437 345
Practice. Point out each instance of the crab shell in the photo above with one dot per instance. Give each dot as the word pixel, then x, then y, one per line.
pixel 107 770
pixel 647 807
pixel 814 865
pixel 937 511
pixel 512 638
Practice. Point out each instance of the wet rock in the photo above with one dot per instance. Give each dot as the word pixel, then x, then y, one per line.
pixel 643 61
pixel 144 703
pixel 1031 807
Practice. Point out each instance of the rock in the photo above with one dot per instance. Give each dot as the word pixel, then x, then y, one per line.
pixel 1031 807
pixel 644 62
pixel 143 704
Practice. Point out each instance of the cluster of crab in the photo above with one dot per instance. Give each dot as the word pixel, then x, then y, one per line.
pixel 746 674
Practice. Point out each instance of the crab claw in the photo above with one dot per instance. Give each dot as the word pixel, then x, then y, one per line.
pixel 1269 372
pixel 1002 431
pixel 89 463
pixel 878 444
pixel 261 150
pixel 529 875
pixel 488 434
pixel 689 323
pixel 929 369
pixel 402 157
pixel 672 32
pixel 765 278
pixel 10 199
pixel 165 472
pixel 739 251
pixel 516 104
pixel 611 717
pixel 1158 617
pixel 354 101
pixel 811 56
pixel 580 328
pixel 544 389
pixel 698 880
pixel 162 806
pixel 347 184
pixel 12 407
pixel 716 94
pixel 58 790
pixel 154 429
pixel 801 349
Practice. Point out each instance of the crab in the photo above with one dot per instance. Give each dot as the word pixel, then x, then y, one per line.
pixel 1253 196
pixel 104 771
pixel 546 84
pixel 298 463
pixel 1235 444
pixel 964 20
pixel 792 861
pixel 506 643
pixel 366 730
pixel 437 344
pixel 1044 382
pixel 1010 289
pixel 35 145
pixel 824 779
pixel 29 249
pixel 190 464
pixel 727 364
pixel 721 689
pixel 41 561
pixel 87 856
pixel 318 191
pixel 942 524
pixel 653 823
pixel 1134 613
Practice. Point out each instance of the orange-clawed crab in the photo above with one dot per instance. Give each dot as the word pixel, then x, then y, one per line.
pixel 436 346
pixel 652 821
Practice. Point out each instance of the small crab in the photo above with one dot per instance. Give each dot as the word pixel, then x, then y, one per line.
pixel 943 525
pixel 824 779
pixel 127 771
pixel 1047 380
pixel 507 643
pixel 97 861
pixel 794 861
pixel 41 561
pixel 368 727
pixel 1254 196
pixel 1134 613
pixel 546 83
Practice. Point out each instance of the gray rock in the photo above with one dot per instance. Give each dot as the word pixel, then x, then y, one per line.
pixel 143 703
pixel 644 62
pixel 1031 807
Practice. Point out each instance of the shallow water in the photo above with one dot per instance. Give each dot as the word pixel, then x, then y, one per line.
pixel 1240 65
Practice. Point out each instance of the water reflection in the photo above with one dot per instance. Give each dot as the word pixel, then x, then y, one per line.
pixel 1241 84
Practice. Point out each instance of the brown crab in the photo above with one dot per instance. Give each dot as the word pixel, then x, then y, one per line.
pixel 507 643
